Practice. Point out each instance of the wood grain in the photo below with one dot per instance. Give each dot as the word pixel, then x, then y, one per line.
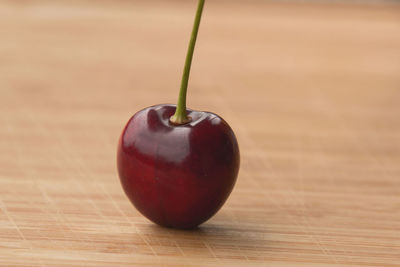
pixel 312 91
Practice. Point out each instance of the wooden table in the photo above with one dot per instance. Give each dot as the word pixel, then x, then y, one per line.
pixel 311 90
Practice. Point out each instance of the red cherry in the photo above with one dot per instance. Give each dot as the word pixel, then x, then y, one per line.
pixel 177 175
pixel 176 165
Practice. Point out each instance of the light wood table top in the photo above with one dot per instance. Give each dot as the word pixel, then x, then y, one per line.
pixel 311 90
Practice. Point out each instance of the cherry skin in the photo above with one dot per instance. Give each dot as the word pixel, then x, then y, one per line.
pixel 177 175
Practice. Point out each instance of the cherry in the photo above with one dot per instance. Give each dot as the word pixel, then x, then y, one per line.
pixel 176 165
pixel 177 176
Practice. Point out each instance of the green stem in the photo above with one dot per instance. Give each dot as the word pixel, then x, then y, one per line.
pixel 180 116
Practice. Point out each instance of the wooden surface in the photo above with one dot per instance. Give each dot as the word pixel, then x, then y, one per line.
pixel 311 90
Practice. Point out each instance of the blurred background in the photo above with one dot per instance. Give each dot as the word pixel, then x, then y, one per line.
pixel 311 89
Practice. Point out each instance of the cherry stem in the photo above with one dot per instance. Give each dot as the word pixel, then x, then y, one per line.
pixel 180 117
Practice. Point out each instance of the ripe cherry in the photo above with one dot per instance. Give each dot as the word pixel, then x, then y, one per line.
pixel 176 165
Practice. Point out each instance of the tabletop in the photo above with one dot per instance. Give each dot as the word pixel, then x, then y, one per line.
pixel 311 89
